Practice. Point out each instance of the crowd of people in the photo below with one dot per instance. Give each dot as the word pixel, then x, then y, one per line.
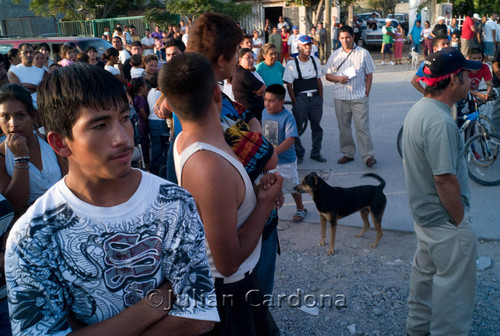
pixel 94 237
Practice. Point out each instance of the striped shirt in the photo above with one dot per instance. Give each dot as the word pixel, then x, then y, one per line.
pixel 362 63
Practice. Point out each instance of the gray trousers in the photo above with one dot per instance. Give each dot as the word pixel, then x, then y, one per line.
pixel 357 110
pixel 308 108
pixel 443 280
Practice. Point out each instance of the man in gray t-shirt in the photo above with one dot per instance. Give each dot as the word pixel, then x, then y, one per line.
pixel 443 277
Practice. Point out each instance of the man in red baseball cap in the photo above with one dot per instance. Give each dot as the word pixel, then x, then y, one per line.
pixel 443 276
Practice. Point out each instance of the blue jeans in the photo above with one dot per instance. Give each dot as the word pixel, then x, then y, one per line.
pixel 156 129
pixel 416 46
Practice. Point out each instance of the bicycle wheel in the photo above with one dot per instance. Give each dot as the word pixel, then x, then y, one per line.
pixel 481 157
pixel 399 142
pixel 477 127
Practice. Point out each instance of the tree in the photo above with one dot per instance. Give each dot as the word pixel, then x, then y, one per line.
pixel 194 8
pixel 79 9
pixel 383 6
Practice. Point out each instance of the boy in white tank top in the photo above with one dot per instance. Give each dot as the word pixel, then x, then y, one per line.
pixel 233 215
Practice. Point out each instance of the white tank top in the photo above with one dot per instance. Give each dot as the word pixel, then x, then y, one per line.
pixel 30 75
pixel 40 181
pixel 244 211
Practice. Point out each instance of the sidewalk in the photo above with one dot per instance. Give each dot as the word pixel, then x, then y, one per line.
pixel 391 97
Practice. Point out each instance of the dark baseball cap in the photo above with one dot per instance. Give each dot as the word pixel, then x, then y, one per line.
pixel 446 62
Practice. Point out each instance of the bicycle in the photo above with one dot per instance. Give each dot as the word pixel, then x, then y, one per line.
pixel 481 154
pixel 474 123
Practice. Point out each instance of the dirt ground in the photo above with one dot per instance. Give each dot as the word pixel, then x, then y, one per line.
pixel 369 286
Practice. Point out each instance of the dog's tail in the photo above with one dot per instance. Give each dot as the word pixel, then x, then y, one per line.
pixel 375 176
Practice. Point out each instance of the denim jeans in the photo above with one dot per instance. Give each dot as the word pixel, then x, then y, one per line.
pixel 156 129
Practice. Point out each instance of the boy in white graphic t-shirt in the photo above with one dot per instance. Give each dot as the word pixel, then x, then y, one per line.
pixel 106 248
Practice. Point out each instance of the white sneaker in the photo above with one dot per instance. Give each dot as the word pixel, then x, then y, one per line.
pixel 383 63
pixel 392 63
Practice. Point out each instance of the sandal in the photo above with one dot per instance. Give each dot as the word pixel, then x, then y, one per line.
pixel 299 215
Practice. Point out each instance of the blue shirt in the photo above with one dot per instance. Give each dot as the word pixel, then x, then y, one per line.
pixel 276 128
pixel 415 34
pixel 271 75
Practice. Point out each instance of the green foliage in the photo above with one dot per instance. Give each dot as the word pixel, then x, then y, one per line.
pixel 79 9
pixel 193 8
pixel 160 17
pixel 383 6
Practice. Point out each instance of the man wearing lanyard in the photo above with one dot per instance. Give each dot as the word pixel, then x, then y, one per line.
pixel 351 68
pixel 303 80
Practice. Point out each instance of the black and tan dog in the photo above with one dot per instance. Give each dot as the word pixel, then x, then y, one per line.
pixel 334 203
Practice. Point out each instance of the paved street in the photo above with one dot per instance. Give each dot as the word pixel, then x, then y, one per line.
pixel 391 97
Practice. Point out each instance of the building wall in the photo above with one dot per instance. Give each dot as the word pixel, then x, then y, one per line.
pixel 18 20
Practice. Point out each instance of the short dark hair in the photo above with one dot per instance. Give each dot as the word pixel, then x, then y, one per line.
pixel 89 48
pixel 346 29
pixel 136 44
pixel 187 82
pixel 66 90
pixel 176 43
pixel 118 29
pixel 25 44
pixel 135 60
pixel 277 90
pixel 15 91
pixel 439 38
pixel 474 51
pixel 439 87
pixel 150 58
pixel 43 45
pixel 214 34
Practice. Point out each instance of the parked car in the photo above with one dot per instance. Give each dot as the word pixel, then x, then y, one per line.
pixel 55 43
pixel 373 37
pixel 364 17
pixel 402 18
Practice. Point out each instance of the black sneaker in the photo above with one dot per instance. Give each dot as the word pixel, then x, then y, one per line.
pixel 318 157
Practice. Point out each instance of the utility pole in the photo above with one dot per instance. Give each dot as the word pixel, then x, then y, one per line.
pixel 328 26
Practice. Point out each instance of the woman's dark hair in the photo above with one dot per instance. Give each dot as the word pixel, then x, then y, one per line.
pixel 17 92
pixel 135 86
pixel 110 52
pixel 214 34
pixel 82 57
pixel 63 93
pixel 243 51
pixel 12 53
pixel 64 50
pixel 89 48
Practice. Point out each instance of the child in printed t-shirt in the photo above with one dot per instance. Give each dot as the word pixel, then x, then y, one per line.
pixel 68 55
pixel 137 67
pixel 280 128
pixel 130 236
